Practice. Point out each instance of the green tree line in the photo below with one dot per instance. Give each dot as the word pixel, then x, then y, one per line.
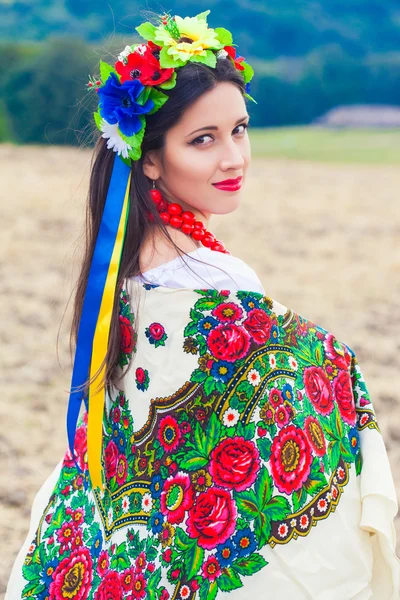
pixel 44 98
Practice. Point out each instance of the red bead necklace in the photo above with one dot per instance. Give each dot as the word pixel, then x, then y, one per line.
pixel 173 214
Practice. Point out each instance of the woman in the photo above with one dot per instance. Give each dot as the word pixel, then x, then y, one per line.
pixel 237 450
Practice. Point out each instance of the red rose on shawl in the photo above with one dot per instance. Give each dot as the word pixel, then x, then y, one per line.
pixel 143 65
pixel 343 393
pixel 111 459
pixel 80 450
pixel 315 435
pixel 336 352
pixel 177 497
pixel 318 389
pixel 259 325
pixel 73 576
pixel 237 60
pixel 212 519
pixel 234 464
pixel 228 342
pixel 110 588
pixel 126 330
pixel 140 375
pixel 291 459
pixel 156 331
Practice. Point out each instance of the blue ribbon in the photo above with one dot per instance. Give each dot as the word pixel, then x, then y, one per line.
pixel 94 293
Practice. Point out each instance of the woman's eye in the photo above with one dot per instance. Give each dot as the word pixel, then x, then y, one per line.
pixel 195 142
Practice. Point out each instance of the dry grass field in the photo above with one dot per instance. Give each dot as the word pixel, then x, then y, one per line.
pixel 323 238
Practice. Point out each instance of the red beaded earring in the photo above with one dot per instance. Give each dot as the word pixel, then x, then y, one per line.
pixel 173 214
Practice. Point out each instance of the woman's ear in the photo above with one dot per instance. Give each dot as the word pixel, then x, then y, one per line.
pixel 151 164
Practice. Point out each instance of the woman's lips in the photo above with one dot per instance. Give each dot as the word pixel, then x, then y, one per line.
pixel 229 187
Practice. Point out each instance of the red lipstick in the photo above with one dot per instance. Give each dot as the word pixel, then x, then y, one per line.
pixel 229 185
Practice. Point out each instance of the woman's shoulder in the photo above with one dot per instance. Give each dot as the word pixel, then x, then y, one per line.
pixel 202 267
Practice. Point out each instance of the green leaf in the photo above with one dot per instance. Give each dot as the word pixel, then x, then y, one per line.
pixel 250 564
pixel 213 433
pixel 167 61
pixel 334 454
pixel 262 529
pixel 299 497
pixel 247 504
pixel 203 15
pixel 196 315
pixel 193 461
pixel 209 385
pixel 278 508
pixel 221 387
pixel 106 70
pixel 246 95
pixel 147 31
pixel 229 580
pixel 206 303
pixel 209 59
pixel 193 559
pixel 263 488
pixel 159 98
pixel 224 36
pixel 182 540
pixel 208 590
pixel 33 588
pixel 316 480
pixel 31 572
pixel 190 329
pixel 198 376
pixel 264 446
pixel 200 439
pixel 98 119
pixel 170 83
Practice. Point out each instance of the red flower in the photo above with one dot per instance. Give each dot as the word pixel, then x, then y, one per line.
pixel 140 375
pixel 110 587
pixel 141 561
pixel 111 459
pixel 139 587
pixel 232 53
pixel 259 325
pixel 145 67
pixel 122 469
pixel 275 397
pixel 127 334
pixel 318 389
pixel 167 555
pixel 342 389
pixel 80 449
pixel 212 519
pixel 234 464
pixel 102 564
pixel 66 533
pixel 177 497
pixel 228 342
pixel 127 578
pixel 211 568
pixel 336 352
pixel 156 331
pixel 169 433
pixel 73 576
pixel 291 459
pixel 315 435
pixel 228 312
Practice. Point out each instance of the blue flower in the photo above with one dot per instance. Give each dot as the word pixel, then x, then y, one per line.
pixel 245 541
pixel 354 440
pixel 287 392
pixel 156 521
pixel 222 370
pixel 206 325
pixel 47 574
pixel 97 544
pixel 247 88
pixel 119 438
pixel 156 486
pixel 117 104
pixel 226 553
pixel 250 302
pixel 274 333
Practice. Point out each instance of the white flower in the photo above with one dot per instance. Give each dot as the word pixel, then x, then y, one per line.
pixel 272 361
pixel 125 504
pixel 293 522
pixel 147 502
pixel 283 530
pixel 231 417
pixel 322 505
pixel 185 592
pixel 293 363
pixel 141 49
pixel 304 521
pixel 115 141
pixel 253 377
pixel 110 516
pixel 124 54
pixel 222 53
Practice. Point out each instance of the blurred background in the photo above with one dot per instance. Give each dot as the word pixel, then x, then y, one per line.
pixel 319 221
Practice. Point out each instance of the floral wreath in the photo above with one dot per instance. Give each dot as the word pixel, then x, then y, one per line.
pixel 133 87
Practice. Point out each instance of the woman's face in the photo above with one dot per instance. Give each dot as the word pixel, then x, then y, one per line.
pixel 191 160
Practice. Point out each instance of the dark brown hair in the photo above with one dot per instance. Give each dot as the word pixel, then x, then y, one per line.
pixel 193 80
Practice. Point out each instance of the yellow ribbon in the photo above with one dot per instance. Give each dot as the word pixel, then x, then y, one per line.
pixel 99 349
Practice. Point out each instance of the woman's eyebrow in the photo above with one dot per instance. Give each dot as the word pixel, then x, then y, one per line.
pixel 215 127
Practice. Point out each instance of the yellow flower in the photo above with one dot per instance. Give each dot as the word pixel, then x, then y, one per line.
pixel 195 38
